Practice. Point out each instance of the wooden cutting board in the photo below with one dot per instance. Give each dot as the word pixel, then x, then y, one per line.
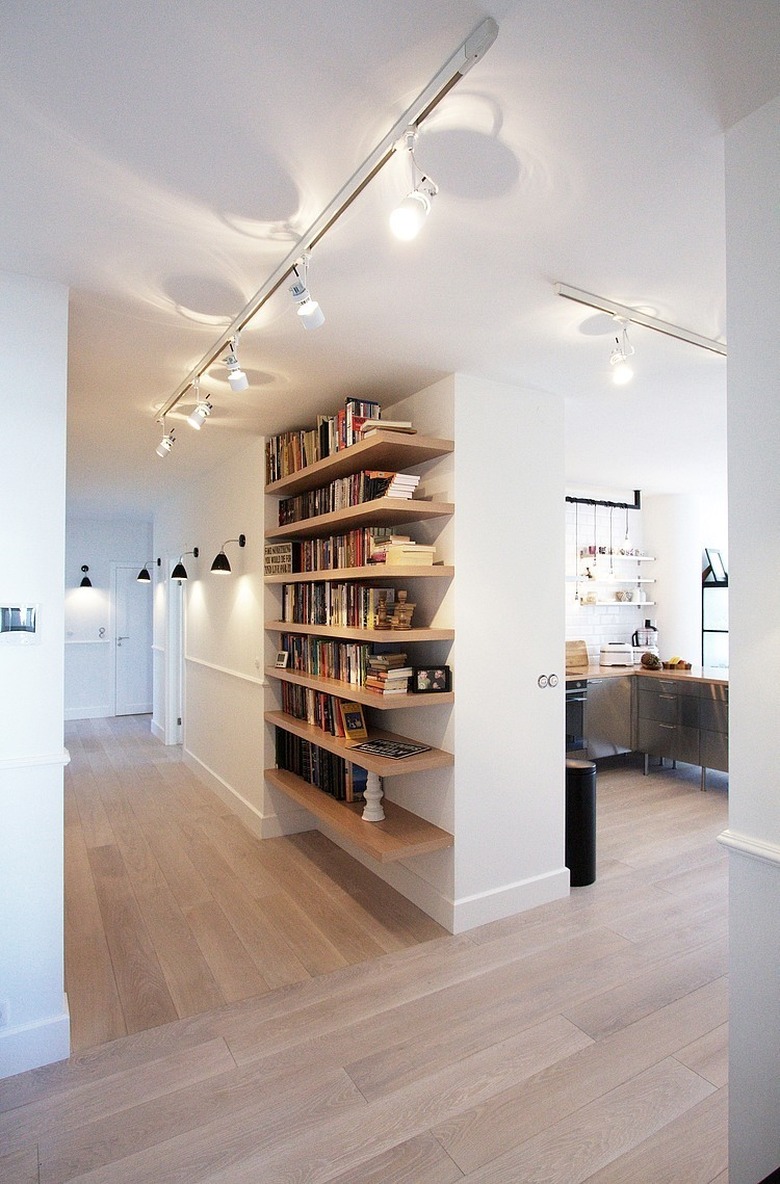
pixel 576 655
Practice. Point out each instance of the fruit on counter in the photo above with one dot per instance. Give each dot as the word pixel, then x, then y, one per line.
pixel 650 661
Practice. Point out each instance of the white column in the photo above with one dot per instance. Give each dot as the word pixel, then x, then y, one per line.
pixel 753 257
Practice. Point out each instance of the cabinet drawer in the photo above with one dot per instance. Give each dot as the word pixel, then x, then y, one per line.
pixel 714 751
pixel 669 740
pixel 657 705
pixel 656 738
pixel 714 715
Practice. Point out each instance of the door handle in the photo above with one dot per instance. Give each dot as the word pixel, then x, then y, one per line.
pixel 119 640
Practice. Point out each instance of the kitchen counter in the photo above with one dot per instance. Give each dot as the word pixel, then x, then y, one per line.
pixel 712 674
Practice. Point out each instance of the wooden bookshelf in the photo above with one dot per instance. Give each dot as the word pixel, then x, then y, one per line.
pixel 400 836
pixel 347 690
pixel 382 511
pixel 383 766
pixel 380 572
pixel 381 450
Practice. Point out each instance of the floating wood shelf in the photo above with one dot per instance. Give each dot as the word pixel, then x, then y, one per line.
pixel 381 511
pixel 346 690
pixel 376 635
pixel 372 571
pixel 390 451
pixel 384 766
pixel 400 836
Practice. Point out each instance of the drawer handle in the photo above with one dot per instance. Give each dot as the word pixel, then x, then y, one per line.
pixel 669 727
pixel 667 696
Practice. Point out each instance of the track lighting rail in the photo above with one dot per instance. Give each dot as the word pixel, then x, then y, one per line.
pixel 457 65
pixel 635 317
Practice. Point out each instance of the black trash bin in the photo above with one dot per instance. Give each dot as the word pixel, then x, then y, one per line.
pixel 581 822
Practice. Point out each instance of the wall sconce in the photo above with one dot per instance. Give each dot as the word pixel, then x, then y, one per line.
pixel 180 572
pixel 221 563
pixel 86 582
pixel 143 576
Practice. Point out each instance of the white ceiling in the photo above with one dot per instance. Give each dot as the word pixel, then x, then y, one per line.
pixel 162 160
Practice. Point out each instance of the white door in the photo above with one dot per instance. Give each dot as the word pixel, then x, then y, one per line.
pixel 132 642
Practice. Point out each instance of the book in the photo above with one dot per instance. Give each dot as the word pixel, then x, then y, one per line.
pixel 353 722
pixel 407 556
pixel 397 749
pixel 389 425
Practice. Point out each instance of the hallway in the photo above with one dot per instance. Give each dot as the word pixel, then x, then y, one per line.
pixel 173 908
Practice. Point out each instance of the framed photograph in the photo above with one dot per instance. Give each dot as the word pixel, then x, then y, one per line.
pixel 427 680
pixel 354 721
pixel 282 658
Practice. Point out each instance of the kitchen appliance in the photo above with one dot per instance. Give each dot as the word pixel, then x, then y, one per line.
pixel 576 694
pixel 647 638
pixel 616 653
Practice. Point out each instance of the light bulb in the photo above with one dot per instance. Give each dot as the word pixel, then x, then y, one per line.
pixel 199 415
pixel 407 219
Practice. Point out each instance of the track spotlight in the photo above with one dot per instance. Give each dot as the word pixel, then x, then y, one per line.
pixel 221 564
pixel 308 310
pixel 236 376
pixel 622 370
pixel 167 442
pixel 86 582
pixel 407 219
pixel 143 576
pixel 180 572
pixel 200 414
pixel 202 409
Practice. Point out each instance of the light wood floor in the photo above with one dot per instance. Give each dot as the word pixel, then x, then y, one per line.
pixel 581 1041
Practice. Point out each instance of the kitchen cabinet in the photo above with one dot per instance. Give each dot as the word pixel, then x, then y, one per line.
pixel 668 720
pixel 714 725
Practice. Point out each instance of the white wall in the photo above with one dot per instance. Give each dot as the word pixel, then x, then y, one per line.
pixel 89 657
pixel 34 1025
pixel 225 642
pixel 753 837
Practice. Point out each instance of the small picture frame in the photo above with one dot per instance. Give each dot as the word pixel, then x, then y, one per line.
pixel 282 658
pixel 430 680
pixel 353 722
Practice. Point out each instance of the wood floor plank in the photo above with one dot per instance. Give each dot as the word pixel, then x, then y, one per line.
pixel 96 1014
pixel 692 1149
pixel 577 1147
pixel 146 1000
pixel 480 1135
pixel 622 1005
pixel 20 1167
pixel 709 1056
pixel 420 1160
pixel 104 1099
pixel 234 971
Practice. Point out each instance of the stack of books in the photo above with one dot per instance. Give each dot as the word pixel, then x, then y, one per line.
pixel 406 554
pixel 402 485
pixel 388 674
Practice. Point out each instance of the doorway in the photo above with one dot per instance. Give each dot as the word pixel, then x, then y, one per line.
pixel 132 632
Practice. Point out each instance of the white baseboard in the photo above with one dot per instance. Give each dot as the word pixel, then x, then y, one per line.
pixel 510 899
pixel 265 826
pixel 32 1045
pixel 157 731
pixel 100 712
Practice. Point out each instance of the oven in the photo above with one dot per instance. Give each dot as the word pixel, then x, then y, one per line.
pixel 576 694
